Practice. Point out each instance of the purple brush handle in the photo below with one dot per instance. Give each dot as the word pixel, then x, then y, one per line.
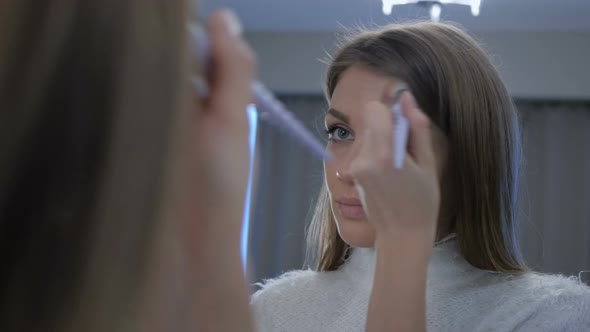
pixel 401 127
pixel 400 135
pixel 275 113
pixel 268 107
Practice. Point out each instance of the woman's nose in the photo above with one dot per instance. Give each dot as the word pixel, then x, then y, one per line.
pixel 343 174
pixel 343 167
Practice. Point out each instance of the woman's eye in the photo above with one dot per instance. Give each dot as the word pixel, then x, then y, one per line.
pixel 338 133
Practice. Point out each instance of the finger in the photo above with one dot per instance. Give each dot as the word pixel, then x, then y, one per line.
pixel 233 64
pixel 420 137
pixel 377 144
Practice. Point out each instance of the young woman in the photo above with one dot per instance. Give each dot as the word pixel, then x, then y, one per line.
pixel 110 184
pixel 431 246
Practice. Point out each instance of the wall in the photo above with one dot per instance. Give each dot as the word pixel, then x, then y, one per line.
pixel 534 65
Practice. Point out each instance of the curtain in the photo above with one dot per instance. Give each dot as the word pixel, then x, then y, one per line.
pixel 554 189
pixel 288 180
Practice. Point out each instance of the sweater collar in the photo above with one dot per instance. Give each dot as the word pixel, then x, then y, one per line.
pixel 360 266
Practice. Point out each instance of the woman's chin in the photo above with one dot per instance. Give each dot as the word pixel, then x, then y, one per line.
pixel 356 233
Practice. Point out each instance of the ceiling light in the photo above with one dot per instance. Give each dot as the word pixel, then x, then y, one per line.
pixel 435 7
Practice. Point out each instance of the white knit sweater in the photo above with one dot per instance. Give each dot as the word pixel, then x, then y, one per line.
pixel 459 298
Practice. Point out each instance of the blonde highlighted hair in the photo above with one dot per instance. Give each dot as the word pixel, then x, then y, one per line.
pixel 458 87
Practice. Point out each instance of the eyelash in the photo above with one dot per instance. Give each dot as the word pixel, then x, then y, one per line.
pixel 330 133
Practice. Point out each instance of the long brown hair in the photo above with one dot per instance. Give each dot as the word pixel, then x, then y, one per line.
pixel 457 86
pixel 89 96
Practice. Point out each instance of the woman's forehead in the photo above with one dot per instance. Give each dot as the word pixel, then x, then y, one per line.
pixel 358 86
pixel 361 83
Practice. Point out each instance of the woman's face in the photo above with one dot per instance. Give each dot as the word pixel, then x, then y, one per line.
pixel 345 125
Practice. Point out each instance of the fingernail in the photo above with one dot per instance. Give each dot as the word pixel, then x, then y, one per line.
pixel 394 93
pixel 232 23
pixel 410 97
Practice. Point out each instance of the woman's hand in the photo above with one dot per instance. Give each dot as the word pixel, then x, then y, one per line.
pixel 218 180
pixel 403 206
pixel 398 202
pixel 221 129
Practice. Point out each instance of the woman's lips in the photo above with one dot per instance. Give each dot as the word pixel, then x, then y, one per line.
pixel 350 208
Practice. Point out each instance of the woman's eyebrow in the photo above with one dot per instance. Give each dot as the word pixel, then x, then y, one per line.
pixel 338 115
